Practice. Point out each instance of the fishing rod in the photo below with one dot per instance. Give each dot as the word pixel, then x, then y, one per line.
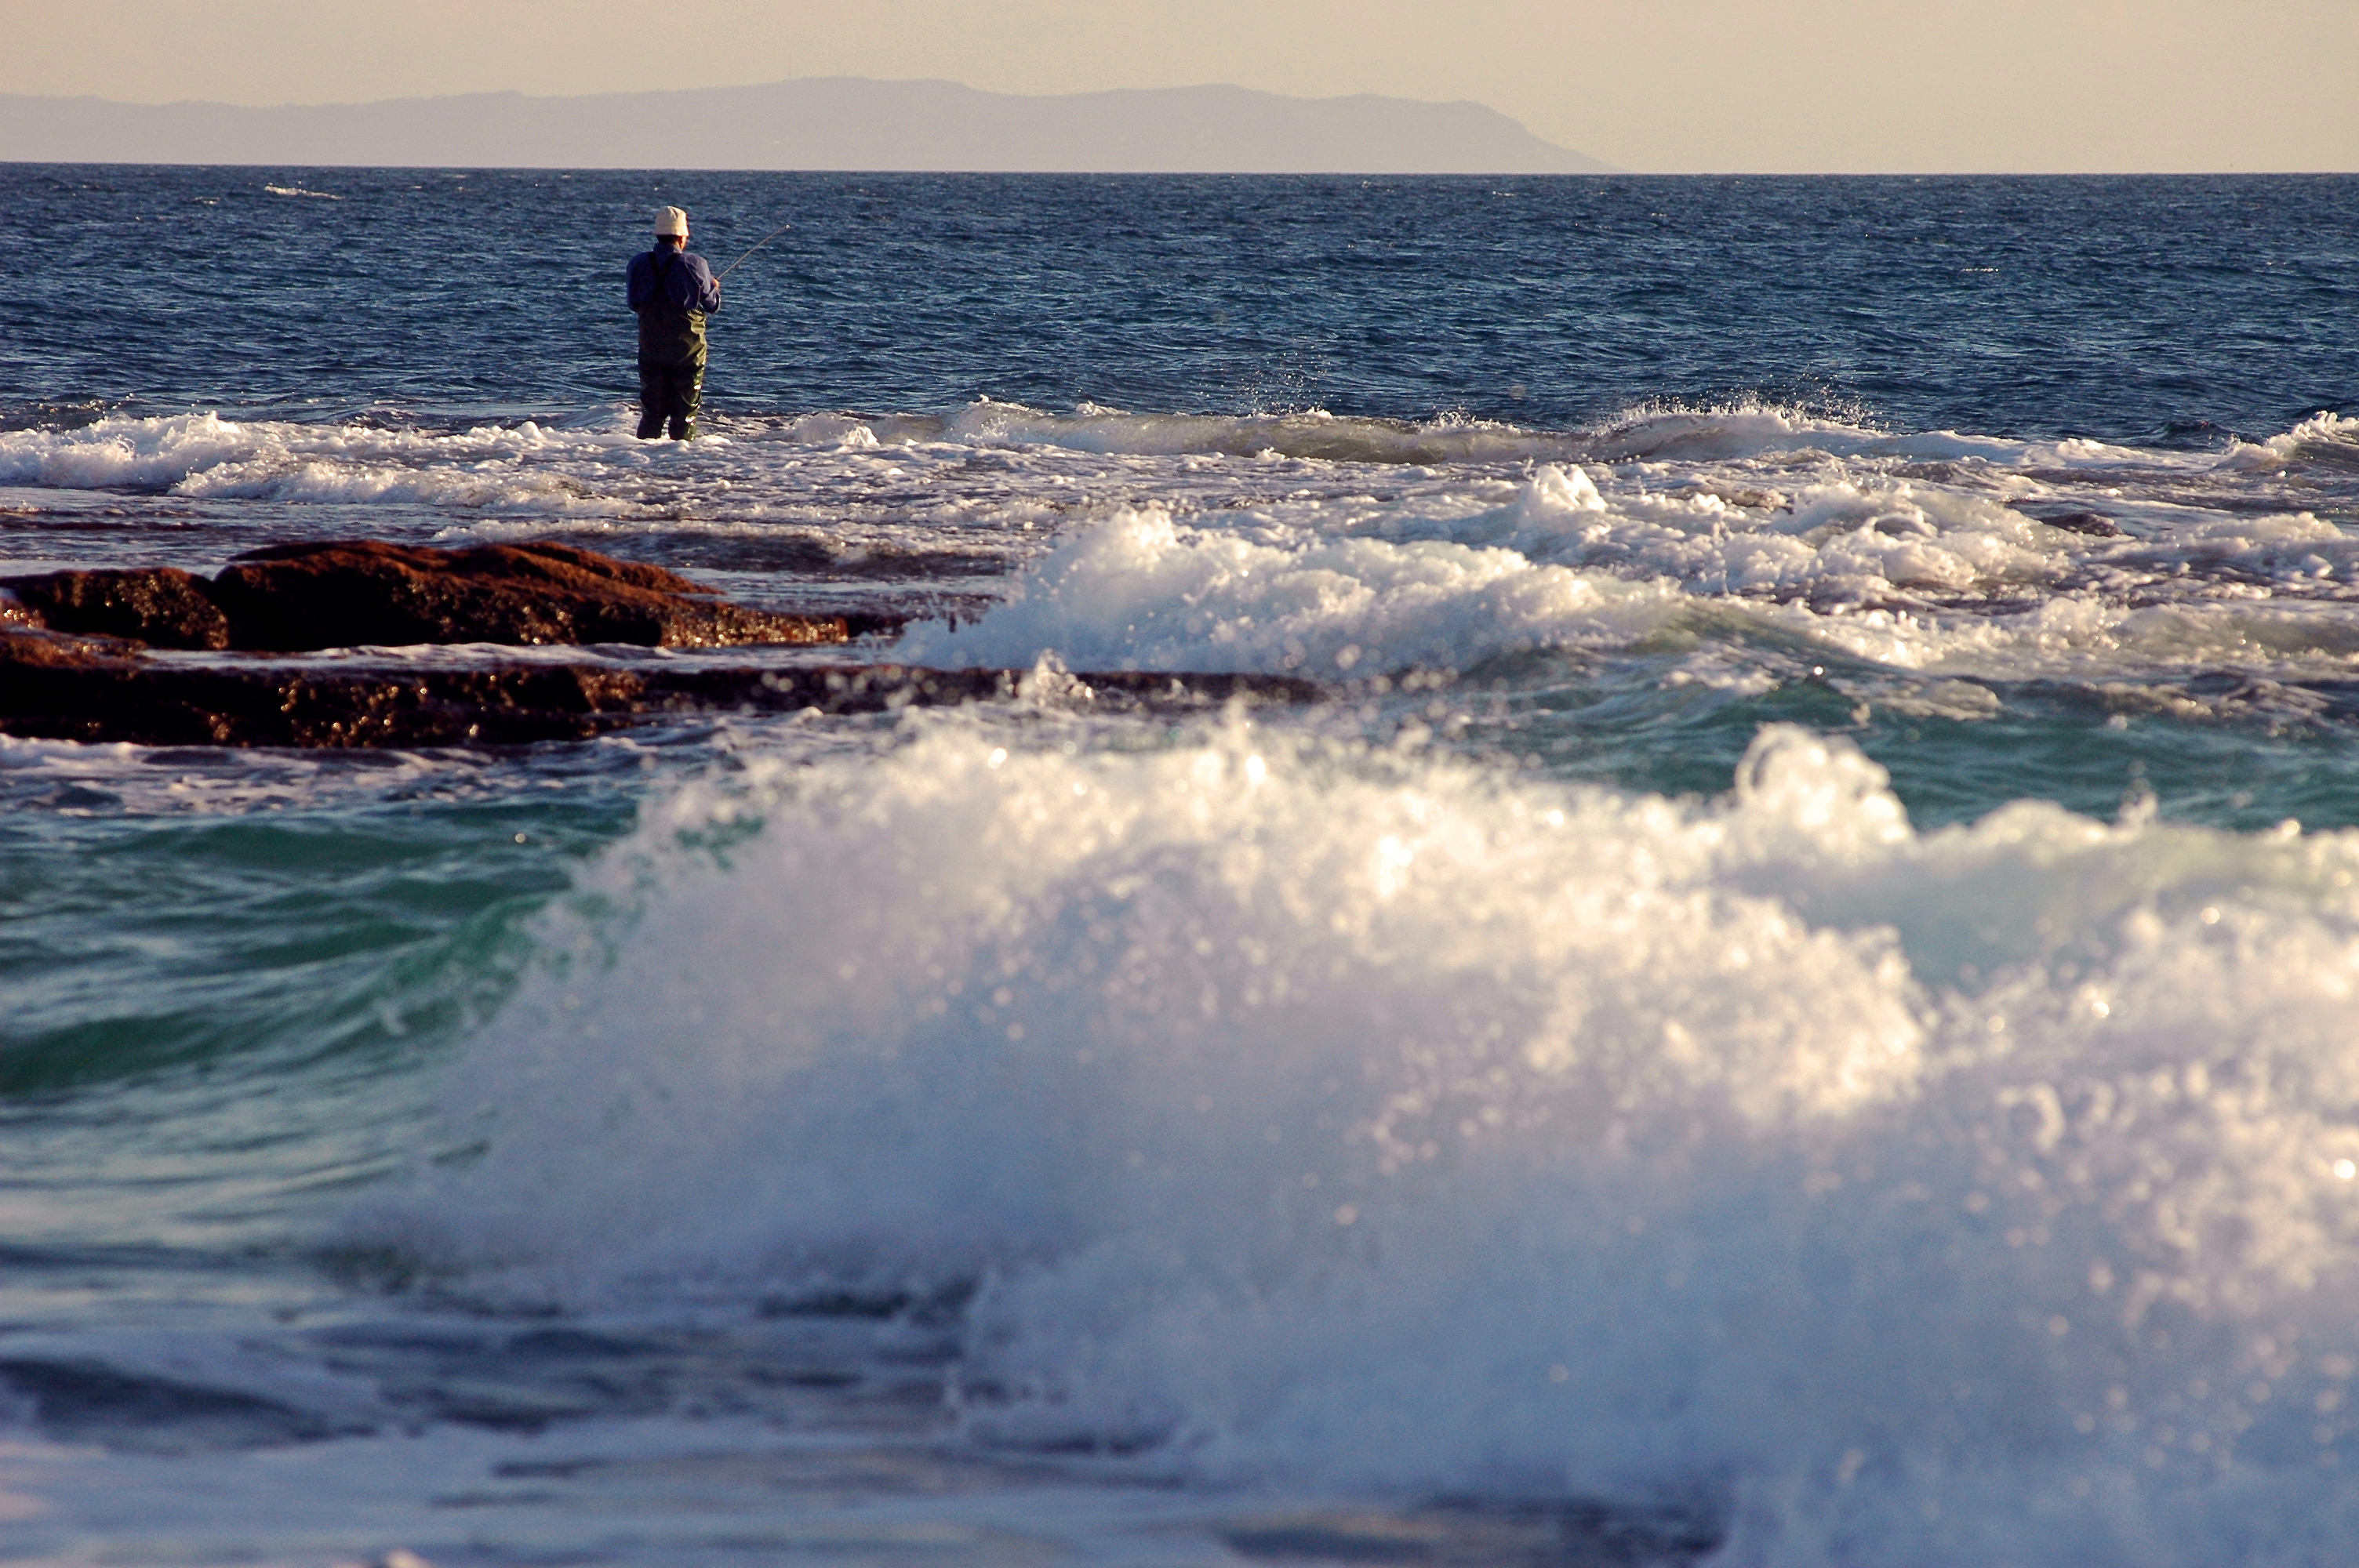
pixel 756 245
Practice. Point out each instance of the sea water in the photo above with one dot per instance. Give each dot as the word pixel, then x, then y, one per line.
pixel 1795 1002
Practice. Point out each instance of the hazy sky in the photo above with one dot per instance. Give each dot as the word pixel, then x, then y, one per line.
pixel 1805 85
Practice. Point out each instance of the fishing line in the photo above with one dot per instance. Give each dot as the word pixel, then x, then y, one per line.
pixel 756 245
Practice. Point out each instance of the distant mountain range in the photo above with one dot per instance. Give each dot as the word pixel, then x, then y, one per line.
pixel 815 123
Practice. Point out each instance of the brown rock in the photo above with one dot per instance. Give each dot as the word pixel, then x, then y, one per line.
pixel 162 606
pixel 38 650
pixel 296 597
pixel 79 679
pixel 96 690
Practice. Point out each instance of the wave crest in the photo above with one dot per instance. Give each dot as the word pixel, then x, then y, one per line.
pixel 1376 1122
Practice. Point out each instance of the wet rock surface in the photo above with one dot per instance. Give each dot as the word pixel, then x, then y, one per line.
pixel 86 690
pixel 32 649
pixel 161 606
pixel 75 653
pixel 2072 520
pixel 302 598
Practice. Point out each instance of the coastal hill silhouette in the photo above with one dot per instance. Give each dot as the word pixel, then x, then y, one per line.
pixel 815 123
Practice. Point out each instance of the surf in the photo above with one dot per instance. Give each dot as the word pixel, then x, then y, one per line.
pixel 1372 1121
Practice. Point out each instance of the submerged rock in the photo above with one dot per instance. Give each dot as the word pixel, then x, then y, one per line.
pixel 300 598
pixel 2072 520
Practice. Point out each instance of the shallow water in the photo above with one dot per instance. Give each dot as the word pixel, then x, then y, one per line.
pixel 1792 1006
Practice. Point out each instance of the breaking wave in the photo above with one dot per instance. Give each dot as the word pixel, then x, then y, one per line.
pixel 1371 1120
pixel 1897 572
pixel 203 455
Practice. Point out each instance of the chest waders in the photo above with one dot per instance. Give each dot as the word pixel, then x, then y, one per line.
pixel 671 360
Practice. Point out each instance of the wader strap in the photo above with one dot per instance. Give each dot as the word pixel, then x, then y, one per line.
pixel 661 261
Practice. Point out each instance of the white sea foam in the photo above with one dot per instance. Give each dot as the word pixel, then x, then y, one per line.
pixel 2330 435
pixel 1881 546
pixel 1848 536
pixel 2086 638
pixel 144 452
pixel 1859 535
pixel 1310 433
pixel 1139 591
pixel 205 455
pixel 155 452
pixel 1376 1122
pixel 1734 433
pixel 1721 435
pixel 1562 565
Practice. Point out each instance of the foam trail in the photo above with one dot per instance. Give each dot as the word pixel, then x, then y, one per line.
pixel 1374 1122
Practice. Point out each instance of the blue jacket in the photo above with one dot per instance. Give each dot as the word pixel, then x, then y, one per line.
pixel 686 284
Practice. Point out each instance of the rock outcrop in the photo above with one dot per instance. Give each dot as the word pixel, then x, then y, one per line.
pixel 300 598
pixel 99 689
pixel 74 646
pixel 161 606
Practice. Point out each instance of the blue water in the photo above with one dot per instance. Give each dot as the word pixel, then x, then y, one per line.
pixel 2149 309
pixel 1793 1005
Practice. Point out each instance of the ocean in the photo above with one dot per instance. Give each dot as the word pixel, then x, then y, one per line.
pixel 1795 1001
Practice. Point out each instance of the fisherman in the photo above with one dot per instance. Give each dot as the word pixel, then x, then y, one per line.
pixel 673 292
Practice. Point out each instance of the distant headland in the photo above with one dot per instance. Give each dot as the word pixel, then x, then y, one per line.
pixel 813 122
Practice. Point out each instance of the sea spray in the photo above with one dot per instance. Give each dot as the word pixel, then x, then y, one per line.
pixel 1371 1121
pixel 1140 591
